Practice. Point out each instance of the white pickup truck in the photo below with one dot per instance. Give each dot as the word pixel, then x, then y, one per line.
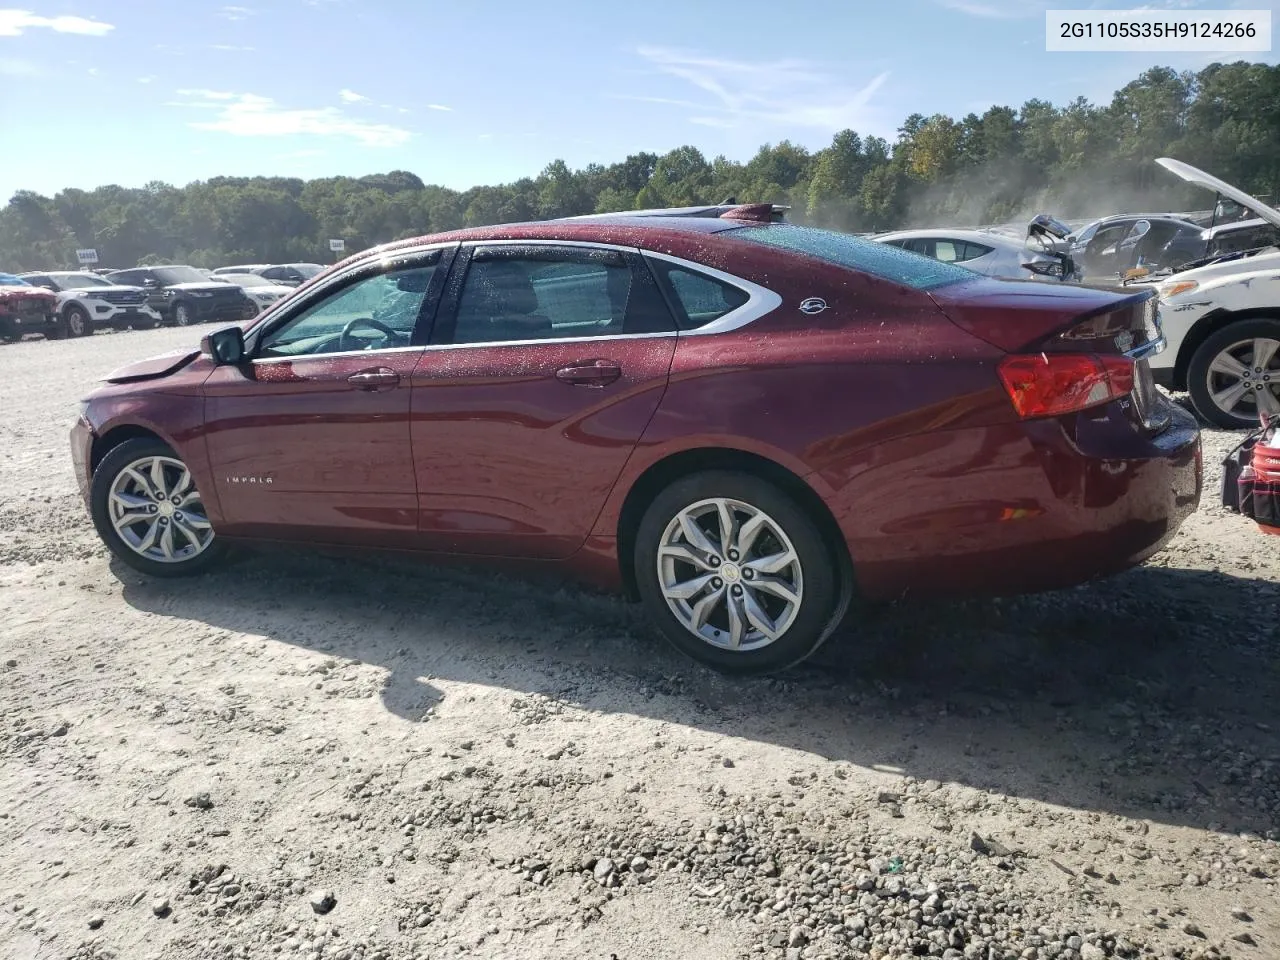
pixel 1222 323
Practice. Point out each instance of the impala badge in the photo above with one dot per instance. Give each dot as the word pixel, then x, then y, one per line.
pixel 263 480
pixel 813 305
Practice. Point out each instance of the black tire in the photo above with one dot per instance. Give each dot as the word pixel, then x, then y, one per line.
pixel 77 322
pixel 182 315
pixel 824 582
pixel 1245 415
pixel 56 330
pixel 112 465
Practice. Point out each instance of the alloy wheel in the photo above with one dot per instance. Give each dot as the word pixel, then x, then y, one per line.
pixel 182 315
pixel 730 574
pixel 1243 380
pixel 75 323
pixel 157 511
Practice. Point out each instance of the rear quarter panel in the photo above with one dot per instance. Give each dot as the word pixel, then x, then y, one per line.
pixel 855 400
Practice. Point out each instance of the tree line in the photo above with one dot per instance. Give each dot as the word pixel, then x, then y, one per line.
pixel 1005 164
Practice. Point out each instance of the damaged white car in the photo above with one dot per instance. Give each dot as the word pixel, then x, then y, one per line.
pixel 1221 321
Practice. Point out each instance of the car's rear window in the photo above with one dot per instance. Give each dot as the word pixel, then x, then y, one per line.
pixel 878 259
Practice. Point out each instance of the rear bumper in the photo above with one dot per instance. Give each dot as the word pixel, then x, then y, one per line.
pixel 1026 507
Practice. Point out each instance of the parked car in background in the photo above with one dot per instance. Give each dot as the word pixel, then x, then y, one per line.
pixel 290 274
pixel 982 251
pixel 182 295
pixel 26 309
pixel 1106 248
pixel 743 423
pixel 241 268
pixel 87 301
pixel 1222 321
pixel 261 291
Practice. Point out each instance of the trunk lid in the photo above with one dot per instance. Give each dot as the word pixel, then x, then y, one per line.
pixel 1020 316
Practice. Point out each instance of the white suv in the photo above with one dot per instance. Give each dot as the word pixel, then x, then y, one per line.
pixel 86 302
pixel 1222 323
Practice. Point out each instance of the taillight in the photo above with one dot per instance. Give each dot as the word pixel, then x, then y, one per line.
pixel 1050 384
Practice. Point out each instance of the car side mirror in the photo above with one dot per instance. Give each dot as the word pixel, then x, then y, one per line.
pixel 225 346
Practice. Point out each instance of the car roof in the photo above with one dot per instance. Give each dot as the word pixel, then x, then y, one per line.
pixel 674 230
pixel 1177 218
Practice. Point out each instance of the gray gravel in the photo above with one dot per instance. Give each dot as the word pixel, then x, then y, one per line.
pixel 336 757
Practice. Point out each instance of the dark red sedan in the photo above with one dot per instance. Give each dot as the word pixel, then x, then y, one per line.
pixel 746 424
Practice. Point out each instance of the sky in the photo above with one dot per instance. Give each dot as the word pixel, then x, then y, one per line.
pixel 130 91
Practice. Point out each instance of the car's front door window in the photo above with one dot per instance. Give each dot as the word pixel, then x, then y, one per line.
pixel 376 313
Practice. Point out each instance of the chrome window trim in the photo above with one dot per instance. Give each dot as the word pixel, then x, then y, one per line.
pixel 287 303
pixel 329 356
pixel 760 300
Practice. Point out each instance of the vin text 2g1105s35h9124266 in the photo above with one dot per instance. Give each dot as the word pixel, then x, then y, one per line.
pixel 745 424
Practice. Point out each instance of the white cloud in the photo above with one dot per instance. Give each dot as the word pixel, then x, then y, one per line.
pixel 251 115
pixel 236 13
pixel 150 78
pixel 350 96
pixel 14 22
pixel 231 47
pixel 439 106
pixel 743 93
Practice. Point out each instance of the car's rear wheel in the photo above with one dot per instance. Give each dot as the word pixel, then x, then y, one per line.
pixel 147 510
pixel 1235 374
pixel 78 322
pixel 736 573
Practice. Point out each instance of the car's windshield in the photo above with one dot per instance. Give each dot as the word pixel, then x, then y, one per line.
pixel 878 259
pixel 170 275
pixel 9 280
pixel 72 281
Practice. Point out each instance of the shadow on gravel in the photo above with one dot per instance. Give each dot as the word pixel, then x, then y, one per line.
pixel 1151 695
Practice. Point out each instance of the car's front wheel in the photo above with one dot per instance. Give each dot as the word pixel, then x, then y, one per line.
pixel 182 316
pixel 1235 374
pixel 78 322
pixel 147 510
pixel 736 573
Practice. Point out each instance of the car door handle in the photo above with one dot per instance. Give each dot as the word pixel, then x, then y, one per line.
pixel 379 379
pixel 591 373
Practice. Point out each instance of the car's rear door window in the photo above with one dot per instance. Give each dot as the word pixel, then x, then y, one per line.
pixel 698 299
pixel 521 293
pixel 969 250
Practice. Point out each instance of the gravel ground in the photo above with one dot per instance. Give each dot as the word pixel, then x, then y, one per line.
pixel 361 758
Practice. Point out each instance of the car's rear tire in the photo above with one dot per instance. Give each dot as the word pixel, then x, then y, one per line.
pixel 149 513
pixel 1235 373
pixel 760 601
pixel 78 322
